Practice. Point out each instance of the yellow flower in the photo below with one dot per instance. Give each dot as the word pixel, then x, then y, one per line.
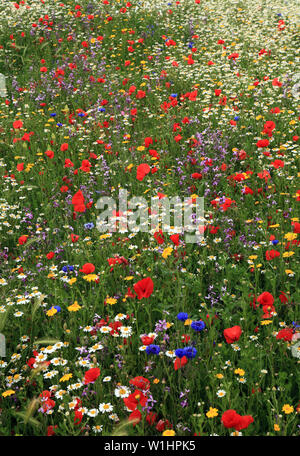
pixel 167 252
pixel 74 307
pixel 140 148
pixel 51 312
pixel 90 277
pixel 212 412
pixel 8 393
pixel 290 236
pixel 287 409
pixel 156 380
pixel 266 322
pixel 111 301
pixel 288 254
pixel 276 427
pixel 188 322
pixel 219 375
pixel 66 377
pixel 73 280
pixel 240 372
pixel 168 433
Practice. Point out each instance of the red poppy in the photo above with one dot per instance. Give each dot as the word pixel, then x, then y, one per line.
pixel 91 375
pixel 135 416
pixel 285 334
pixel 87 268
pixel 142 171
pixel 180 362
pixel 141 383
pixel 265 299
pixel 23 239
pixel 144 288
pixel 271 254
pixel 263 143
pixel 175 239
pixel 135 399
pixel 232 334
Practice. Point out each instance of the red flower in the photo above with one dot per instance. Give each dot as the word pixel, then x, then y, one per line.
pixel 50 255
pixel 142 171
pixel 147 340
pixel 159 237
pixel 232 334
pixel 263 143
pixel 244 422
pixel 135 399
pixel 285 334
pixel 135 416
pixel 23 239
pixel 140 383
pixel 144 288
pixel 74 237
pixel 180 362
pixel 151 418
pixel 271 254
pixel 91 375
pixel 230 418
pixel 78 202
pixel 49 153
pixel 265 299
pixel 87 268
pixel 18 124
pixel 175 239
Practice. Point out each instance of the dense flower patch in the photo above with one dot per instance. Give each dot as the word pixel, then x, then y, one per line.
pixel 145 333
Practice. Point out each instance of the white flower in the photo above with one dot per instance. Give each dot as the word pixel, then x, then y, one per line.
pixel 122 391
pixel 93 412
pixel 221 393
pixel 105 407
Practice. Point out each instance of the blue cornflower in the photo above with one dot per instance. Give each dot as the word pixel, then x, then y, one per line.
pixel 71 268
pixel 275 242
pixel 59 124
pixel 237 118
pixel 191 45
pixel 182 316
pixel 53 114
pixel 89 226
pixel 198 325
pixel 58 308
pixel 102 109
pixel 190 352
pixel 174 95
pixel 179 352
pixel 155 349
pixel 65 269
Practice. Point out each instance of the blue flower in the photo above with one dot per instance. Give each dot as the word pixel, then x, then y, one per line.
pixel 275 242
pixel 174 95
pixel 191 44
pixel 65 269
pixel 71 268
pixel 198 325
pixel 155 349
pixel 89 226
pixel 53 114
pixel 59 124
pixel 57 308
pixel 237 118
pixel 190 352
pixel 182 316
pixel 179 352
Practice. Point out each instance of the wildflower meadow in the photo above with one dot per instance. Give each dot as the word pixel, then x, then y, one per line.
pixel 149 218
